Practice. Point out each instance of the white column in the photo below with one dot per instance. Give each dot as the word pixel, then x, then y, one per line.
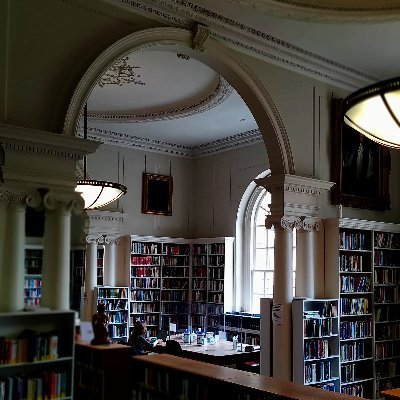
pixel 283 296
pixel 90 277
pixel 306 257
pixel 56 249
pixel 110 261
pixel 12 271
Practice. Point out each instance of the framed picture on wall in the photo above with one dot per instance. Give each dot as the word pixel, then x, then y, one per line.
pixel 157 194
pixel 360 167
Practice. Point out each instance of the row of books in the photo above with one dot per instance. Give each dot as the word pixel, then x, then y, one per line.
pixel 117 331
pixel 386 258
pixel 145 248
pixel 353 390
pixel 387 276
pixel 33 293
pixel 351 284
pixel 199 272
pixel 199 296
pixel 352 351
pixel 352 263
pixel 47 385
pixel 348 373
pixel 355 329
pixel 144 295
pixel 31 283
pixel 317 327
pixel 176 249
pixel 317 372
pixel 174 308
pixel 354 240
pixel 112 293
pixel 387 294
pixel 30 346
pixel 199 260
pixel 217 286
pixel 168 283
pixel 355 305
pixel 217 261
pixel 216 298
pixel 175 261
pixel 175 272
pixel 146 271
pixel 119 317
pixel 387 349
pixel 387 331
pixel 387 240
pixel 145 260
pixel 387 312
pixel 199 249
pixel 316 349
pixel 146 283
pixel 144 308
pixel 174 295
pixel 147 319
pixel 199 284
pixel 115 304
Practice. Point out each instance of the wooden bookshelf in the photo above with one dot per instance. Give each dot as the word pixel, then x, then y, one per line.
pixel 168 376
pixel 38 360
pixel 33 274
pixel 101 372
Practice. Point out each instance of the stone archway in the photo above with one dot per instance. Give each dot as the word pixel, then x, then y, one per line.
pixel 215 56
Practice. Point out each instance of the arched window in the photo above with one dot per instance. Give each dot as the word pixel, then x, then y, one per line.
pixel 262 242
pixel 257 254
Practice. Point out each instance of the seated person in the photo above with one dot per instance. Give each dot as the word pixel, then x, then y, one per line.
pixel 138 341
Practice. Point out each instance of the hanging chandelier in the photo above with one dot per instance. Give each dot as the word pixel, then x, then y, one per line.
pixel 96 193
pixel 374 111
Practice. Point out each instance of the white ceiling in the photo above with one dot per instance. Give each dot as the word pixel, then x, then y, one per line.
pixel 183 105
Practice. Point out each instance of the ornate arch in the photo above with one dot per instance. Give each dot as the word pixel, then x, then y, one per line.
pixel 214 55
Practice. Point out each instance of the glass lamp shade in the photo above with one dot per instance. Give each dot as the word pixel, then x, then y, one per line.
pixel 375 112
pixel 97 194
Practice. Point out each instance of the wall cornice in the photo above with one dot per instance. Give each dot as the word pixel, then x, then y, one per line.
pixel 234 34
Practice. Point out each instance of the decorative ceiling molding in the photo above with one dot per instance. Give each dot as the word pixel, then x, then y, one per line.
pixel 327 10
pixel 221 93
pixel 140 143
pixel 237 35
pixel 121 73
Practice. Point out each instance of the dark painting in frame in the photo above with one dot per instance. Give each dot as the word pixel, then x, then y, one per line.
pixel 157 194
pixel 360 167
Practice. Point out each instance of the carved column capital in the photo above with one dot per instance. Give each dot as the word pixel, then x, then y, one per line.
pixel 109 239
pixel 95 239
pixel 68 202
pixel 289 222
pixel 310 224
pixel 20 198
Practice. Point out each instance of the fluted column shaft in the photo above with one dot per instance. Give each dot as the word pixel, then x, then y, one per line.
pixel 282 299
pixel 110 261
pixel 56 250
pixel 90 278
pixel 306 259
pixel 12 266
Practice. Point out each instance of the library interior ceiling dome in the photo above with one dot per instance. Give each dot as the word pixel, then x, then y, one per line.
pixel 165 97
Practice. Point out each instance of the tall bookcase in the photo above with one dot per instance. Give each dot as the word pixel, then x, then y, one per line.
pixel 100 265
pixel 387 310
pixel 39 360
pixel 33 274
pixel 316 343
pixel 78 262
pixel 116 300
pixel 177 280
pixel 367 282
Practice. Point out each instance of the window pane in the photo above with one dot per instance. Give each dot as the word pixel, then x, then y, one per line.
pixel 256 303
pixel 261 259
pixel 261 236
pixel 260 217
pixel 270 262
pixel 270 238
pixel 269 284
pixel 258 283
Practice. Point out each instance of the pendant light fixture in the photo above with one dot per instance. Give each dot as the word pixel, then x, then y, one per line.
pixel 95 193
pixel 375 112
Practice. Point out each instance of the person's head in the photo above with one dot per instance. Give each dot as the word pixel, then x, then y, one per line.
pixel 101 308
pixel 139 329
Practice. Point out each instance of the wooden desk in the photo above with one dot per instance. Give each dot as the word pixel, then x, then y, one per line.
pixel 392 394
pixel 220 353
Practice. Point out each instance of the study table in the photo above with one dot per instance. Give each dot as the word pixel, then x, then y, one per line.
pixel 219 353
